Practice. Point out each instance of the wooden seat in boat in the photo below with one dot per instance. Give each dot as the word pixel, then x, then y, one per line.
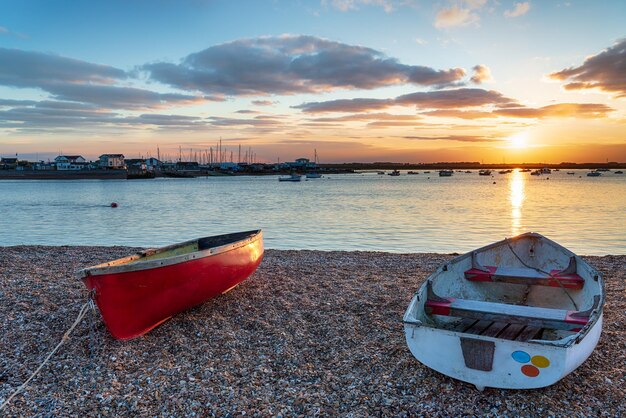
pixel 566 278
pixel 510 314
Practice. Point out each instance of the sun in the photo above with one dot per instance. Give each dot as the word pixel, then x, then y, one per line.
pixel 519 140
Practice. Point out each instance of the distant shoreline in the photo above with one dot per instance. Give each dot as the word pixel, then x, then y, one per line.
pixel 344 168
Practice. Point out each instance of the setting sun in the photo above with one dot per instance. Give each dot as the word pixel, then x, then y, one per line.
pixel 519 140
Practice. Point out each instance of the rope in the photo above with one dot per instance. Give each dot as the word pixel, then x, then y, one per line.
pixel 541 271
pixel 66 336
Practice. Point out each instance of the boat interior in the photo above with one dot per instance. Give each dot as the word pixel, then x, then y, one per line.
pixel 523 288
pixel 187 247
pixel 195 245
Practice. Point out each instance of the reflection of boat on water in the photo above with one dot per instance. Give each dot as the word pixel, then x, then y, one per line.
pixel 137 293
pixel 292 177
pixel 594 174
pixel 446 173
pixel 394 173
pixel 521 313
pixel 484 172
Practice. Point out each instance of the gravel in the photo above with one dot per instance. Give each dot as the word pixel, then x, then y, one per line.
pixel 310 333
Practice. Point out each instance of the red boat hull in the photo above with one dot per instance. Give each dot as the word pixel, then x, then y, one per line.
pixel 134 302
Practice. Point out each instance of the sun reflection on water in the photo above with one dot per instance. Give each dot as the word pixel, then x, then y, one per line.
pixel 516 195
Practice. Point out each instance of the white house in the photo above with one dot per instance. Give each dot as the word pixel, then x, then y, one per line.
pixel 70 162
pixel 112 161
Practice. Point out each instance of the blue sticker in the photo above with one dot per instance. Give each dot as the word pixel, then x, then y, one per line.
pixel 521 356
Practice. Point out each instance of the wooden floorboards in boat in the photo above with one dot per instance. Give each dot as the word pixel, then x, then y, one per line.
pixel 514 332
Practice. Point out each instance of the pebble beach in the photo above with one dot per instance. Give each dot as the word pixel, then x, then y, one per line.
pixel 311 333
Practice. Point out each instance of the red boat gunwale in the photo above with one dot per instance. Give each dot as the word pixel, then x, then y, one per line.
pixel 134 262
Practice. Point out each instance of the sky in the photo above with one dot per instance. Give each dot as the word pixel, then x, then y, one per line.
pixel 357 80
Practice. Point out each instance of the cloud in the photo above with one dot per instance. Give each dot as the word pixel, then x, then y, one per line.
pixel 121 97
pixel 440 99
pixel 348 5
pixel 178 122
pixel 51 114
pixel 12 103
pixel 605 71
pixel 67 79
pixel 560 110
pixel 519 10
pixel 482 73
pixel 460 138
pixel 360 117
pixel 221 121
pixel 455 16
pixel 262 102
pixel 461 114
pixel 292 64
pixel 40 70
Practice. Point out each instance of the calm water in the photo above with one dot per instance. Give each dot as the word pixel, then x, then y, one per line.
pixel 410 213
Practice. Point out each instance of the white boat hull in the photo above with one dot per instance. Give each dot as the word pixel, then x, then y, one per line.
pixel 521 313
pixel 441 351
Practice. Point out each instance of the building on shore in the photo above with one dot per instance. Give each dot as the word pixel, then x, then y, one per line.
pixel 70 162
pixel 8 163
pixel 112 161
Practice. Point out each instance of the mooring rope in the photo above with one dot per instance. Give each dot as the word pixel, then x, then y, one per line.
pixel 66 336
pixel 541 271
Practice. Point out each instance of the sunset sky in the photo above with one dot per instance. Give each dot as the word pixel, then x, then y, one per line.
pixel 358 80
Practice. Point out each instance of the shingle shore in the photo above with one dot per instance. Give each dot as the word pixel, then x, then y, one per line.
pixel 310 333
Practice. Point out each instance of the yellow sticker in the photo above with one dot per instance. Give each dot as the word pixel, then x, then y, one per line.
pixel 540 361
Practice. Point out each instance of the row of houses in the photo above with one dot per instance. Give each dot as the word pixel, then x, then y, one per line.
pixel 78 162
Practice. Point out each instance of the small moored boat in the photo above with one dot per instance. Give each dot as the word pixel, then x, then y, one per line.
pixel 292 177
pixel 394 173
pixel 517 314
pixel 446 173
pixel 137 293
pixel 313 175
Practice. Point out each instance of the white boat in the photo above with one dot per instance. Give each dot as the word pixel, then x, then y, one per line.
pixel 292 177
pixel 521 313
pixel 313 175
pixel 484 172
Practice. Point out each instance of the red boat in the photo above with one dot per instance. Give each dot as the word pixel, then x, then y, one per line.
pixel 139 292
